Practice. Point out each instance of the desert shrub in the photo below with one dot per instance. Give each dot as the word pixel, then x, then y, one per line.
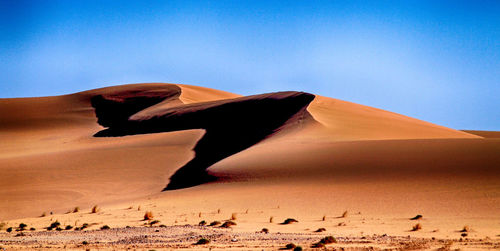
pixel 54 224
pixel 464 234
pixel 324 218
pixel 265 230
pixel 318 245
pixel 95 209
pixel 319 230
pixel 417 217
pixel 202 223
pixel 148 215
pixel 341 224
pixel 76 210
pixel 214 223
pixel 59 229
pixel 105 227
pixel 228 224
pixel 32 229
pixel 271 219
pixel 9 230
pixel 85 242
pixel 289 221
pixel 233 216
pixel 290 246
pixel 328 240
pixel 297 248
pixel 20 234
pixel 68 227
pixel 344 215
pixel 416 227
pixel 21 227
pixel 202 241
pixel 154 222
pixel 43 214
pixel 163 225
pixel 465 229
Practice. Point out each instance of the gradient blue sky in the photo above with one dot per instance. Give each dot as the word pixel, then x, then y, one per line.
pixel 434 60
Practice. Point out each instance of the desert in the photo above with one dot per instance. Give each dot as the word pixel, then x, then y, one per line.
pixel 168 166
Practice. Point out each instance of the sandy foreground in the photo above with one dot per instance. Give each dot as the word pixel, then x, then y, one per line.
pixel 189 154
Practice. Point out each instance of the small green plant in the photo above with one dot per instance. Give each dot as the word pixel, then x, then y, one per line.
pixel 289 221
pixel 202 241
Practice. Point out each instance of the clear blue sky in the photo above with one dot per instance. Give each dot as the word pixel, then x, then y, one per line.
pixel 434 60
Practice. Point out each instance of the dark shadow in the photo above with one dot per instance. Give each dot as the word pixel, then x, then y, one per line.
pixel 231 126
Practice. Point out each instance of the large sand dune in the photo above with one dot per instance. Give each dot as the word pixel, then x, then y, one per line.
pixel 211 149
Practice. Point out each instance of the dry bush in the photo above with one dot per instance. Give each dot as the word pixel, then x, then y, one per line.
pixel 265 230
pixel 290 246
pixel 214 223
pixel 105 227
pixel 289 221
pixel 95 209
pixel 202 241
pixel 465 229
pixel 417 217
pixel 325 241
pixel 324 218
pixel 233 216
pixel 319 230
pixel 228 224
pixel 344 215
pixel 202 223
pixel 148 215
pixel 271 219
pixel 416 227
pixel 76 210
pixel 43 214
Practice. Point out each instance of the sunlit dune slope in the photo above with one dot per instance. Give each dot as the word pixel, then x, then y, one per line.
pixel 122 143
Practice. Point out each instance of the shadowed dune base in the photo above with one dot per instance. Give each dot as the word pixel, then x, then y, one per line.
pixel 231 125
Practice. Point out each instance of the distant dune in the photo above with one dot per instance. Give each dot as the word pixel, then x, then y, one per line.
pixel 206 148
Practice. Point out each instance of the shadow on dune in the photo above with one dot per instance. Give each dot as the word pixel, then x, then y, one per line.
pixel 231 125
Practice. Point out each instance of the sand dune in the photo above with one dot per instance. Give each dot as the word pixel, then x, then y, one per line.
pixel 310 154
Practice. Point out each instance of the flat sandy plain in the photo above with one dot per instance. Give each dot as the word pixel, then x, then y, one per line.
pixel 190 154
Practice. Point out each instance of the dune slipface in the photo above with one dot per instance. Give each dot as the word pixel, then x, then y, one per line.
pixel 231 125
